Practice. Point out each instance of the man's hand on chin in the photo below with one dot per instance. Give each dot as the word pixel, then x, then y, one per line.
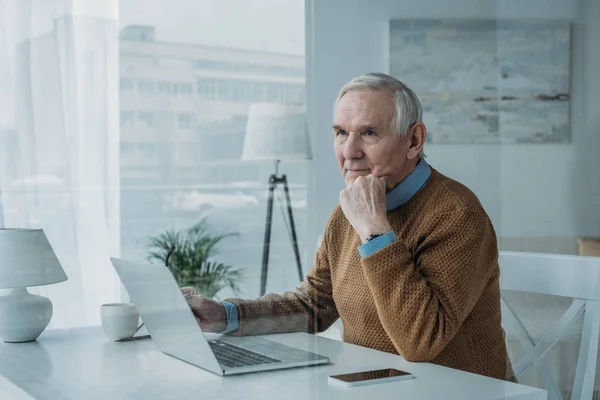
pixel 364 205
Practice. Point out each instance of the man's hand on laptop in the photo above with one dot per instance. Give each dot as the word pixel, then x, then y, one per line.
pixel 210 314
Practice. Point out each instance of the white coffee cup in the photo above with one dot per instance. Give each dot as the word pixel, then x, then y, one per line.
pixel 119 320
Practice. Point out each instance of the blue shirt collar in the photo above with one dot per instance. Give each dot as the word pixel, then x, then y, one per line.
pixel 406 189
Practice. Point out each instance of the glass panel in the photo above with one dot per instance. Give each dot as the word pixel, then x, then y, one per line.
pixel 193 107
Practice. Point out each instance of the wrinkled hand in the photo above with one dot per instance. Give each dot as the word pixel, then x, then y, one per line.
pixel 364 205
pixel 210 314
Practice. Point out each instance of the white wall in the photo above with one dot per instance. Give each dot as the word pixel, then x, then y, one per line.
pixel 532 192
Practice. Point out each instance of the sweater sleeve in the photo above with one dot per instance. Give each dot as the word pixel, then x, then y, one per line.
pixel 423 299
pixel 310 308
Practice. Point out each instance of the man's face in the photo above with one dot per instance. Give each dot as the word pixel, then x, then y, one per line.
pixel 364 140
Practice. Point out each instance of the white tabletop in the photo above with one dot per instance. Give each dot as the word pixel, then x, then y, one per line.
pixel 82 364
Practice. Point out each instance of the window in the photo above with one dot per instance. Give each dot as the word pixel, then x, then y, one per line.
pixel 225 91
pixel 182 88
pixel 126 85
pixel 294 94
pixel 127 148
pixel 194 97
pixel 147 149
pixel 127 118
pixel 184 121
pixel 184 155
pixel 165 90
pixel 163 119
pixel 165 87
pixel 274 93
pixel 207 89
pixel 257 92
pixel 145 86
pixel 146 119
pixel 250 91
pixel 138 155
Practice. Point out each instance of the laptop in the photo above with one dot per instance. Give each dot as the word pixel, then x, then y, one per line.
pixel 175 331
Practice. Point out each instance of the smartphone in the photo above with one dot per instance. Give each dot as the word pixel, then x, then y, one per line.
pixel 369 377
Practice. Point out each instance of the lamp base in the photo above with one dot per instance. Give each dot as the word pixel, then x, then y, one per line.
pixel 23 316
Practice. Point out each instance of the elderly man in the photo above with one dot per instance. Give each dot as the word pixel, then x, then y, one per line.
pixel 409 259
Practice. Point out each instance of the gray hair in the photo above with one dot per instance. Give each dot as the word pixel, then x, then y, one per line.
pixel 407 104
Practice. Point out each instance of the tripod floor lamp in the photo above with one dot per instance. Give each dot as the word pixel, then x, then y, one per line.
pixel 276 132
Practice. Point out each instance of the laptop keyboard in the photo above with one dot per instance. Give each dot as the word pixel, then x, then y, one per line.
pixel 232 356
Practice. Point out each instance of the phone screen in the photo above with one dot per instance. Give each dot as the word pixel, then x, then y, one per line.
pixel 370 375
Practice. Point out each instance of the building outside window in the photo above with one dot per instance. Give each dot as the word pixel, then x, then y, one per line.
pixel 145 86
pixel 126 85
pixel 184 121
pixel 165 87
pixel 127 118
pixel 203 85
pixel 146 119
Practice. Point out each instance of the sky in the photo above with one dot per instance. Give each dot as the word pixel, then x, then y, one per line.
pixel 267 25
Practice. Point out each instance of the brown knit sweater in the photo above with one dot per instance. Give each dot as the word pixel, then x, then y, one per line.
pixel 433 295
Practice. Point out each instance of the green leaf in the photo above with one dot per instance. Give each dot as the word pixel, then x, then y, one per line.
pixel 192 263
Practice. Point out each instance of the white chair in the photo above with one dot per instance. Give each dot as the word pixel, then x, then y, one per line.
pixel 567 276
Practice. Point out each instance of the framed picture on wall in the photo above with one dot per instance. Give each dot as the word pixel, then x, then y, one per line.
pixel 487 81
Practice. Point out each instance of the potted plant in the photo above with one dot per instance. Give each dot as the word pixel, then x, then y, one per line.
pixel 192 260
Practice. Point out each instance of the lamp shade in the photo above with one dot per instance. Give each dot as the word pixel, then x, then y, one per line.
pixel 276 132
pixel 27 259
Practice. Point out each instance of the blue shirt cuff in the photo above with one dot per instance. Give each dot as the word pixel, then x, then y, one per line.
pixel 233 321
pixel 377 244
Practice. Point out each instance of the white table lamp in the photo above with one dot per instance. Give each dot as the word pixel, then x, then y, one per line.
pixel 276 132
pixel 26 259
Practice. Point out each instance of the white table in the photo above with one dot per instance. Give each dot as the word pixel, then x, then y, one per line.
pixel 82 364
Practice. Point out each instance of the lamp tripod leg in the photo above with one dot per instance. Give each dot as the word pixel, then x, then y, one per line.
pixel 267 240
pixel 293 228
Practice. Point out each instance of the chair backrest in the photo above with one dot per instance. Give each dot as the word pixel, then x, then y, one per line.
pixel 558 275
